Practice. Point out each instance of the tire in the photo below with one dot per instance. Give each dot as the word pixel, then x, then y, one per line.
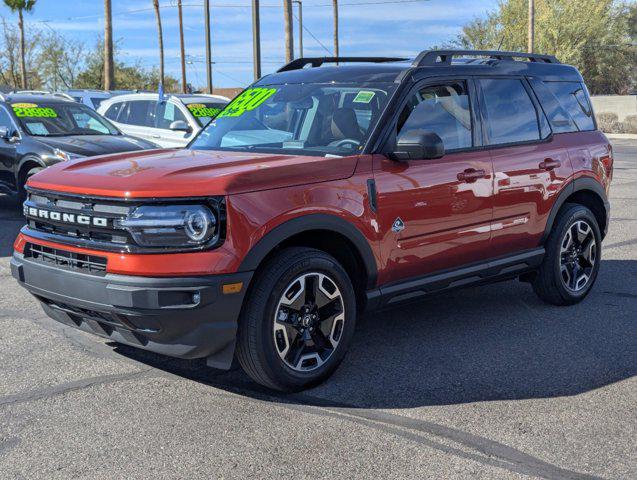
pixel 22 193
pixel 557 278
pixel 272 352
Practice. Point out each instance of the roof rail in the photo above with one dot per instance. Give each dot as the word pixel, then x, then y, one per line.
pixel 428 58
pixel 30 92
pixel 318 61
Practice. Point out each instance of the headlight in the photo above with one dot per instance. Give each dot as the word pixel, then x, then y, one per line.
pixel 65 156
pixel 171 225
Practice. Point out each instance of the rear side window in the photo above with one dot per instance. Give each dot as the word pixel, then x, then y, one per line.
pixel 141 113
pixel 573 98
pixel 112 112
pixel 510 115
pixel 5 120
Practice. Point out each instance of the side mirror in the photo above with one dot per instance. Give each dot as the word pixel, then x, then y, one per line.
pixel 180 126
pixel 418 145
pixel 4 133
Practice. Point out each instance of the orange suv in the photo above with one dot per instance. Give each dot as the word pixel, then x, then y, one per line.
pixel 320 192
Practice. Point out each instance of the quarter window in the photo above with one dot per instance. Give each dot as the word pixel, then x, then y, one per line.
pixel 441 109
pixel 509 112
pixel 574 99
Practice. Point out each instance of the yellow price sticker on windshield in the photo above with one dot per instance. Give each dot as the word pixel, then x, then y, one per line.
pixel 200 110
pixel 33 111
pixel 248 100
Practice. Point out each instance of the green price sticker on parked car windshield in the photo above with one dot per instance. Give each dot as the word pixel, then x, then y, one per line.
pixel 248 100
pixel 26 110
pixel 199 110
pixel 364 96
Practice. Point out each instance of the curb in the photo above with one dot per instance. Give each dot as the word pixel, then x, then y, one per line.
pixel 617 136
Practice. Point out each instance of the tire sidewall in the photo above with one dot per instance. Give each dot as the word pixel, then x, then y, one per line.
pixel 575 214
pixel 291 379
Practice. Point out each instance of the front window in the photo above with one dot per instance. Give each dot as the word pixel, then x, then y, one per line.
pixel 60 119
pixel 307 119
pixel 204 112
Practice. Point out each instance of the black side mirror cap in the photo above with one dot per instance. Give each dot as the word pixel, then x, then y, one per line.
pixel 418 145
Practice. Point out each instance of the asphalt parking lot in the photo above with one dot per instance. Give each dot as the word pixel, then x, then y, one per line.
pixel 481 383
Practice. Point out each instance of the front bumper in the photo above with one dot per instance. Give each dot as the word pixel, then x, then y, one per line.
pixel 179 317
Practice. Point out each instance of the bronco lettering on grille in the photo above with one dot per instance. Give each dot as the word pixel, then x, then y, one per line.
pixel 33 212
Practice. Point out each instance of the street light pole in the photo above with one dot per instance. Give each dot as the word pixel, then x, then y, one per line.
pixel 208 49
pixel 300 4
pixel 289 34
pixel 531 33
pixel 256 39
pixel 182 48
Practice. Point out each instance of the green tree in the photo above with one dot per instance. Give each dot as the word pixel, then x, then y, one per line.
pixel 10 58
pixel 593 35
pixel 21 6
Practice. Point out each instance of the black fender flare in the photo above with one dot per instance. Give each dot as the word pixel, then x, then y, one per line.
pixel 584 183
pixel 315 221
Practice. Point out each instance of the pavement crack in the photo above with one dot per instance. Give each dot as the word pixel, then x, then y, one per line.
pixel 76 385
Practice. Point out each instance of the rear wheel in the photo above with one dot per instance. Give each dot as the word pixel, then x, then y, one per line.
pixel 298 320
pixel 573 253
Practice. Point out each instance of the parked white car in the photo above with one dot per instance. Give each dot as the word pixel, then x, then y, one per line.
pixel 171 123
pixel 90 98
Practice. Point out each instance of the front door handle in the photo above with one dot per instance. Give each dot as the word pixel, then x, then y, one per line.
pixel 470 175
pixel 550 164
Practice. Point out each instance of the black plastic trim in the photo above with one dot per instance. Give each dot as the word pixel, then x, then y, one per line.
pixel 317 221
pixel 483 272
pixel 372 194
pixel 577 185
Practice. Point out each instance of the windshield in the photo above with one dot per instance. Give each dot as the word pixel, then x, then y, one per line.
pixel 303 119
pixel 61 119
pixel 205 111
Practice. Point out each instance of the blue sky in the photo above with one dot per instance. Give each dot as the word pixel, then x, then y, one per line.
pixel 391 28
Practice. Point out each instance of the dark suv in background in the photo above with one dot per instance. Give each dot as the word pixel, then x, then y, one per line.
pixel 37 131
pixel 319 192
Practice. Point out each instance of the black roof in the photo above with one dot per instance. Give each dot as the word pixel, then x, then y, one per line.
pixel 427 64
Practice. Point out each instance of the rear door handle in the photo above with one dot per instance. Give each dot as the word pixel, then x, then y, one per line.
pixel 550 164
pixel 471 175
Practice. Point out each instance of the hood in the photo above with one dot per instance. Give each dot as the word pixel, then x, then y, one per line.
pixel 188 173
pixel 91 145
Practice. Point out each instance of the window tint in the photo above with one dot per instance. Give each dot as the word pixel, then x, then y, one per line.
pixel 5 119
pixel 168 113
pixel 509 111
pixel 561 121
pixel 141 113
pixel 442 109
pixel 112 112
pixel 574 99
pixel 97 102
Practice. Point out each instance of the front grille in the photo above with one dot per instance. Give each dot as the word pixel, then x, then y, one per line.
pixel 78 221
pixel 92 264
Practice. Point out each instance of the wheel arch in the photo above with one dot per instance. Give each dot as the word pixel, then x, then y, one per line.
pixel 27 163
pixel 583 191
pixel 326 232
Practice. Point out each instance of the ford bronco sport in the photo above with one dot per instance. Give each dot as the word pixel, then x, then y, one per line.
pixel 319 192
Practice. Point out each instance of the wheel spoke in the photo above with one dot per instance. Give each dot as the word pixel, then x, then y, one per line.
pixel 319 339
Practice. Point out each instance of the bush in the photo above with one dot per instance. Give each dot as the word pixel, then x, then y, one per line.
pixel 608 122
pixel 630 124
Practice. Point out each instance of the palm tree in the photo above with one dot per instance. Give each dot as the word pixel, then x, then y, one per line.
pixel 109 69
pixel 21 6
pixel 161 41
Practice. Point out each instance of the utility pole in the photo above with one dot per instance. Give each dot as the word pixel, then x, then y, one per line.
pixel 289 33
pixel 531 38
pixel 109 70
pixel 206 6
pixel 160 39
pixel 182 47
pixel 256 39
pixel 300 4
pixel 335 6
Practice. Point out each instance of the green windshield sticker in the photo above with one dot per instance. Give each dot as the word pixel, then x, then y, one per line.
pixel 33 111
pixel 364 96
pixel 200 110
pixel 248 100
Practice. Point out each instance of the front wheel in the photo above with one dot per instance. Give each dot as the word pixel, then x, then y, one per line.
pixel 298 320
pixel 573 254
